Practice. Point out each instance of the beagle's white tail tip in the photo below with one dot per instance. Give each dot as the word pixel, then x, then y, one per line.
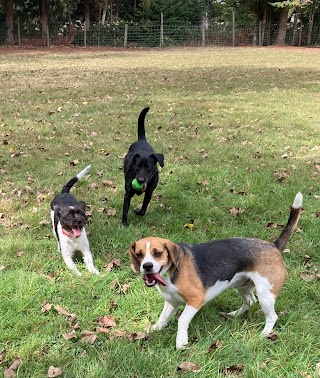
pixel 81 174
pixel 297 203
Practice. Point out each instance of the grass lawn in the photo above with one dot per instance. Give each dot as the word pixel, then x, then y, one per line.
pixel 239 129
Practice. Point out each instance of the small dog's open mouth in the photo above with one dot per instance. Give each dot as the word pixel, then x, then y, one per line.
pixel 151 279
pixel 76 232
pixel 144 187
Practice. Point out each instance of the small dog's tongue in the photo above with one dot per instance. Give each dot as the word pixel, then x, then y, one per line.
pixel 76 232
pixel 155 277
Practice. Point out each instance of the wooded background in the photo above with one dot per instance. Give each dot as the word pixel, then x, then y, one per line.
pixel 151 23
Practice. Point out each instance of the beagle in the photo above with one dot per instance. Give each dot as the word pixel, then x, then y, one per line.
pixel 193 274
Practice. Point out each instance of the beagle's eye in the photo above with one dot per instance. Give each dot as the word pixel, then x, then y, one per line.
pixel 157 253
pixel 139 255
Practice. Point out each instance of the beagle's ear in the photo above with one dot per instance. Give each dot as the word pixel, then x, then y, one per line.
pixel 174 253
pixel 135 261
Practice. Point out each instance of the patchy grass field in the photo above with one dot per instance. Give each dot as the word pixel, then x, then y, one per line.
pixel 239 129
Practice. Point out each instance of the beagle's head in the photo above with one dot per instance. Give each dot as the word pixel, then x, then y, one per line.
pixel 153 257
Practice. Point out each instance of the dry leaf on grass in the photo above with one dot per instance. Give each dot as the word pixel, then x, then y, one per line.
pixel 214 345
pixel 54 372
pixel 107 321
pixel 236 211
pixel 74 163
pixel 281 174
pixel 46 307
pixel 308 276
pixel 115 263
pixel 189 366
pixel 70 335
pixel 102 330
pixel 2 356
pixel 137 336
pixel 10 372
pixel 61 310
pixel 273 336
pixel 234 369
pixel 88 336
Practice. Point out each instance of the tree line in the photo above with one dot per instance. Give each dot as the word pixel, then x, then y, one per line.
pixel 93 12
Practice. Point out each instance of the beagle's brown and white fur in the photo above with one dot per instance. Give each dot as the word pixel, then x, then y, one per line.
pixel 193 274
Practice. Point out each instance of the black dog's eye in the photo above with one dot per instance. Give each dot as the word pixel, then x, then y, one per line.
pixel 157 253
pixel 139 255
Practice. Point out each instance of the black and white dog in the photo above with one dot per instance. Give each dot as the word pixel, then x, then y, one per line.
pixel 68 220
pixel 140 165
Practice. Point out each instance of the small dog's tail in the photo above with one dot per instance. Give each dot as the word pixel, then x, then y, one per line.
pixel 141 130
pixel 294 216
pixel 79 176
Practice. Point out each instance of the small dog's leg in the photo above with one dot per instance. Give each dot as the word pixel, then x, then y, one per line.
pixel 167 312
pixel 267 302
pixel 88 260
pixel 248 300
pixel 146 201
pixel 70 263
pixel 183 324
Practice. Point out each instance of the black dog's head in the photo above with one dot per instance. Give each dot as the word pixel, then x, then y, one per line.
pixel 144 167
pixel 72 218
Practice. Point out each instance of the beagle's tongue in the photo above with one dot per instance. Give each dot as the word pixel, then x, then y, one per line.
pixel 76 232
pixel 152 278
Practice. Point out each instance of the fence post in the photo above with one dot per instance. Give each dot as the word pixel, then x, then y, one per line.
pixel 85 35
pixel 48 37
pixel 203 34
pixel 161 30
pixel 125 43
pixel 233 28
pixel 19 36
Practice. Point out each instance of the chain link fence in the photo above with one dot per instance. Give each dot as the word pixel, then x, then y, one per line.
pixel 161 34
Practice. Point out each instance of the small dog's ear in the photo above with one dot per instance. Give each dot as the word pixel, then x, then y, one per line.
pixel 130 158
pixel 174 254
pixel 82 204
pixel 57 211
pixel 159 158
pixel 135 261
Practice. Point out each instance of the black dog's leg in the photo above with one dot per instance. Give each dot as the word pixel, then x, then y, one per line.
pixel 146 200
pixel 126 205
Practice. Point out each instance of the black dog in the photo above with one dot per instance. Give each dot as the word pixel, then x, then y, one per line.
pixel 68 220
pixel 140 164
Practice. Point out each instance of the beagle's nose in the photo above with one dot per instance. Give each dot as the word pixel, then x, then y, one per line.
pixel 147 266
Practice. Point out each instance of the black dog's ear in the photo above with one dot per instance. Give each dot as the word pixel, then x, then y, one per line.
pixel 57 210
pixel 159 158
pixel 83 205
pixel 130 158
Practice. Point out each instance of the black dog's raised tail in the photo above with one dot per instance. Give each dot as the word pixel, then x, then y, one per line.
pixel 293 220
pixel 79 176
pixel 141 129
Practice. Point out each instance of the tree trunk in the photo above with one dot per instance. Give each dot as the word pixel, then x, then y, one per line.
pixel 8 9
pixel 104 12
pixel 87 13
pixel 43 18
pixel 282 26
pixel 311 19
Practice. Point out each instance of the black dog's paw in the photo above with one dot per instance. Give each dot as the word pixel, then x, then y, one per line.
pixel 139 212
pixel 125 224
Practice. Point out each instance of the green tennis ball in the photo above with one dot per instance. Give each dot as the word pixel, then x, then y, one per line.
pixel 136 185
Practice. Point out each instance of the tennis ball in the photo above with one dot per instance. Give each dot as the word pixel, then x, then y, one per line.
pixel 136 185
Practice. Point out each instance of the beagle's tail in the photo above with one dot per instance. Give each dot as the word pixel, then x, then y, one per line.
pixel 79 176
pixel 141 129
pixel 294 216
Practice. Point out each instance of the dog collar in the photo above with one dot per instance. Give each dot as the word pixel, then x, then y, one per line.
pixel 66 233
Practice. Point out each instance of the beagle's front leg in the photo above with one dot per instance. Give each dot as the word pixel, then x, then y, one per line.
pixel 183 324
pixel 167 312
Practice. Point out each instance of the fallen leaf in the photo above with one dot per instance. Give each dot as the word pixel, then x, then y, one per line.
pixel 44 222
pixel 88 336
pixel 94 185
pixel 10 372
pixel 46 307
pixel 74 162
pixel 107 321
pixel 236 211
pixel 234 369
pixel 137 336
pixel 281 174
pixel 107 183
pixel 20 253
pixel 132 267
pixel 271 225
pixel 318 368
pixel 70 335
pixel 2 356
pixel 61 310
pixel 115 263
pixel 273 336
pixel 54 372
pixel 214 345
pixel 102 330
pixel 111 212
pixel 189 366
pixel 190 226
pixel 308 276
